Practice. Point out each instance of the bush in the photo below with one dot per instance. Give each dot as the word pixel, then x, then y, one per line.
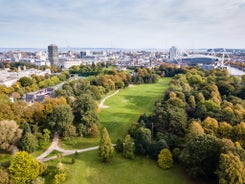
pixel 165 159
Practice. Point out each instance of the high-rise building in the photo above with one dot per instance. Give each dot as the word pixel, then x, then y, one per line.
pixel 53 54
pixel 172 53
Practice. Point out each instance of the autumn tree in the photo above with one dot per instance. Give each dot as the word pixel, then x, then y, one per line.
pixel 231 169
pixel 239 133
pixel 106 149
pixel 61 173
pixel 4 176
pixel 23 168
pixel 210 126
pixel 10 134
pixel 195 129
pixel 165 159
pixel 128 147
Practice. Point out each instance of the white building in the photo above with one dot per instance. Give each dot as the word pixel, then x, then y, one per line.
pixel 9 78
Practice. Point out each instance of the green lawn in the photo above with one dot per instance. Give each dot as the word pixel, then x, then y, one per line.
pixel 126 106
pixel 89 170
pixel 79 143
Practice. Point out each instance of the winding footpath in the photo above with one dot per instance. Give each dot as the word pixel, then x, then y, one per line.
pixel 55 143
pixel 101 105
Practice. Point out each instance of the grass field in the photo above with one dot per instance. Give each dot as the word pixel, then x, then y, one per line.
pixel 126 106
pixel 89 170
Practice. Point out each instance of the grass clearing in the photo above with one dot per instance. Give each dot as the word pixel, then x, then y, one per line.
pixel 79 143
pixel 87 169
pixel 126 106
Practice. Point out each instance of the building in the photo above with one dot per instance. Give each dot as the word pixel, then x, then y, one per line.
pixel 82 54
pixel 172 53
pixel 53 54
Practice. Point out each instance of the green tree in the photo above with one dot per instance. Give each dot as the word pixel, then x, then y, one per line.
pixel 23 168
pixel 231 169
pixel 10 134
pixel 142 140
pixel 106 149
pixel 45 138
pixel 25 81
pixel 165 159
pixel 128 147
pixel 119 145
pixel 61 117
pixel 29 142
pixel 201 156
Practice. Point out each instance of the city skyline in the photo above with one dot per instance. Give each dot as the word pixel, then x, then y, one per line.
pixel 122 24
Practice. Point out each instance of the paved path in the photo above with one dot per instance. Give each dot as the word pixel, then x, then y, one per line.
pixel 54 146
pixel 101 105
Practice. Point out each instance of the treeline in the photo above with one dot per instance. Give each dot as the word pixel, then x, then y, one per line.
pixel 201 120
pixel 240 65
pixel 88 70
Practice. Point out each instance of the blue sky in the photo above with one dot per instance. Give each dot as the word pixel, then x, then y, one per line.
pixel 122 23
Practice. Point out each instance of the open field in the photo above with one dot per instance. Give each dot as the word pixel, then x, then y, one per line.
pixel 126 106
pixel 89 170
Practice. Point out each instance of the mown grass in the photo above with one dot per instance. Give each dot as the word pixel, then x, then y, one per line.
pixel 127 105
pixel 79 143
pixel 87 169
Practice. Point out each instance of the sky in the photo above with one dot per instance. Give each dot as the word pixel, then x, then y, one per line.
pixel 129 24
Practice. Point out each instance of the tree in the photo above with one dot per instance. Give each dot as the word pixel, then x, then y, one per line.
pixel 231 169
pixel 210 126
pixel 93 131
pixel 225 130
pixel 119 145
pixel 165 159
pixel 156 147
pixel 10 134
pixel 45 138
pixel 201 156
pixel 4 176
pixel 25 81
pixel 23 168
pixel 61 173
pixel 61 117
pixel 239 133
pixel 195 129
pixel 106 149
pixel 29 142
pixel 128 147
pixel 142 140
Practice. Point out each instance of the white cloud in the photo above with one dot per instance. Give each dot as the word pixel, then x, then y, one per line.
pixel 122 23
